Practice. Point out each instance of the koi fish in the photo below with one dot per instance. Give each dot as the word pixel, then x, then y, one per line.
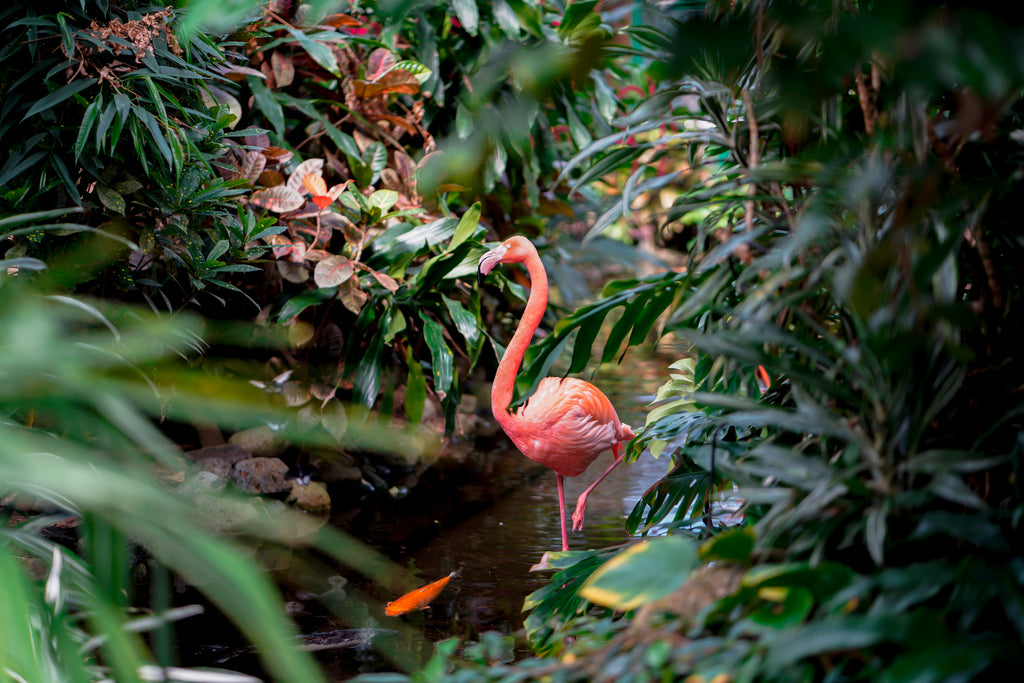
pixel 417 599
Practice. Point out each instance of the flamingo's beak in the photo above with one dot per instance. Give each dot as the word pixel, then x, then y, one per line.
pixel 488 261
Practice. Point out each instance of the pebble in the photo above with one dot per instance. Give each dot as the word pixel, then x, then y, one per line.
pixel 312 497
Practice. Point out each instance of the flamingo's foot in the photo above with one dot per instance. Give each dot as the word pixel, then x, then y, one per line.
pixel 577 515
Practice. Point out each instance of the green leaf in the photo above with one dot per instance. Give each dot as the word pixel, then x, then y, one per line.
pixel 58 96
pixel 468 14
pixel 785 608
pixel 320 53
pixel 156 133
pixel 441 355
pixel 642 573
pixel 465 322
pixel 467 226
pixel 367 379
pixel 110 198
pixel 576 13
pixel 383 199
pixel 268 104
pixel 299 303
pixel 415 389
pixel 733 545
pixel 506 18
pixel 92 112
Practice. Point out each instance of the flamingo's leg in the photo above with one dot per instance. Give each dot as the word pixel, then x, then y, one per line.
pixel 581 502
pixel 561 509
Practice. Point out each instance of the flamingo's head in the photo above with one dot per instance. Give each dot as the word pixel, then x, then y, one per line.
pixel 515 249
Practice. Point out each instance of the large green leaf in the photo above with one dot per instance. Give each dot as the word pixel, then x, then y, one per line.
pixel 644 572
pixel 59 95
pixel 440 352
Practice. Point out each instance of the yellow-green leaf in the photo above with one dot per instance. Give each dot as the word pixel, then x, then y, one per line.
pixel 110 198
pixel 642 573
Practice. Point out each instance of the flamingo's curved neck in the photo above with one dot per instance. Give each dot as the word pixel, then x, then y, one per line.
pixel 505 378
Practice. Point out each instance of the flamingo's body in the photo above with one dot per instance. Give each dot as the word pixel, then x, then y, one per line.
pixel 567 423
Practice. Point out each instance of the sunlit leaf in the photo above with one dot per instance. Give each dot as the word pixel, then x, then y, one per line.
pixel 642 573
pixel 467 226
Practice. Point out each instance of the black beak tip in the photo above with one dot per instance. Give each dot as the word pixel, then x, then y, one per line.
pixel 480 277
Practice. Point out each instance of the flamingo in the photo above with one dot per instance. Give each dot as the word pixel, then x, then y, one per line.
pixel 567 422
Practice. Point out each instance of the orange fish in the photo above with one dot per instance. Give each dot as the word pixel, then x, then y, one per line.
pixel 417 599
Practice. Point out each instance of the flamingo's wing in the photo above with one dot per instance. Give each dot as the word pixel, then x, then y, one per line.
pixel 565 425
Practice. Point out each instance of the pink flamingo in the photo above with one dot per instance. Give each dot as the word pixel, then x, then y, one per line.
pixel 568 422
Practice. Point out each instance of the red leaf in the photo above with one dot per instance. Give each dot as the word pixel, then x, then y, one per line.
pixel 379 62
pixel 285 248
pixel 386 281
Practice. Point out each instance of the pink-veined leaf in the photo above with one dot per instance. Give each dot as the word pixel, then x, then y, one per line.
pixel 351 296
pixel 315 255
pixel 314 166
pixel 385 280
pixel 253 164
pixel 332 271
pixel 380 61
pixel 280 199
pixel 284 248
pixel 336 190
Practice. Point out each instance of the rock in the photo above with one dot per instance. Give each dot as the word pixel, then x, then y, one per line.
pixel 227 452
pixel 261 442
pixel 261 475
pixel 219 467
pixel 312 497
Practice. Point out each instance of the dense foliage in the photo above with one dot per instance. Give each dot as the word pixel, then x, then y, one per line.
pixel 841 177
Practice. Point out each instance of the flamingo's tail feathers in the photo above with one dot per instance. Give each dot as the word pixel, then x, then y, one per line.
pixel 625 432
